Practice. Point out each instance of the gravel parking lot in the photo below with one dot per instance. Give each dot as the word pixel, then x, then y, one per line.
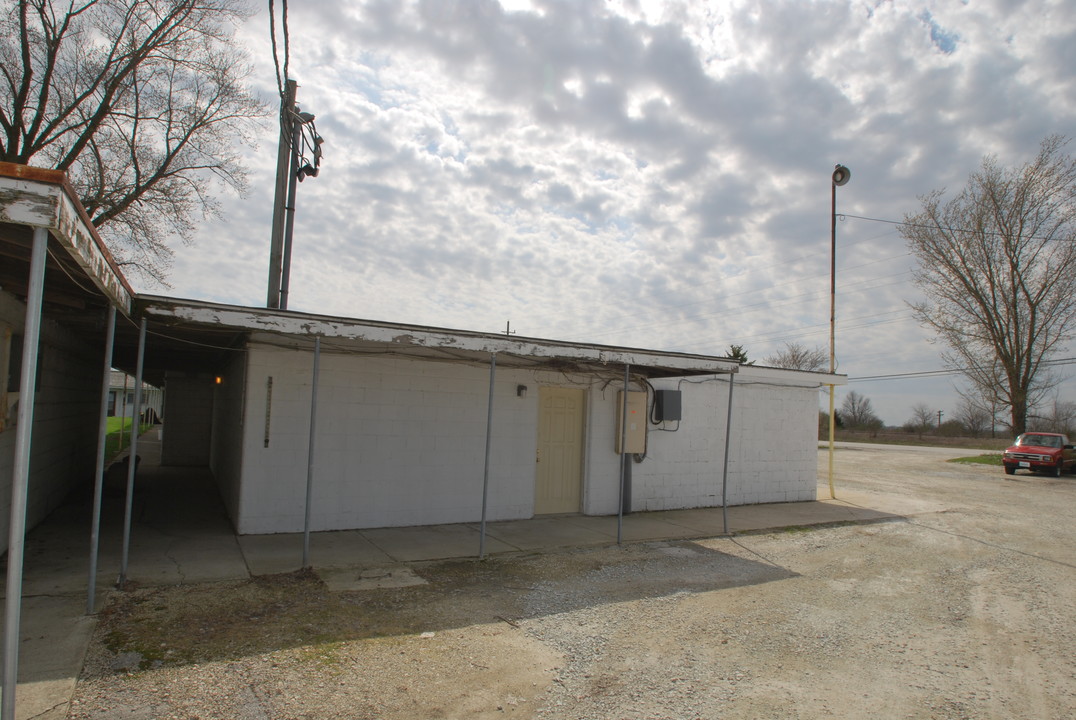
pixel 965 610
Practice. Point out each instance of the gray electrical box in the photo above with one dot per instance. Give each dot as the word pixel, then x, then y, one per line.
pixel 666 405
pixel 635 433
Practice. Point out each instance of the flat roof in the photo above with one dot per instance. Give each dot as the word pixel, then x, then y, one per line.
pixel 352 335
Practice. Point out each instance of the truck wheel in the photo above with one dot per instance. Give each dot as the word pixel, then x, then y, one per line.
pixel 1010 470
pixel 1056 472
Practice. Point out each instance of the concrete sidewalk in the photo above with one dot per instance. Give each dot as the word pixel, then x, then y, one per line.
pixel 181 534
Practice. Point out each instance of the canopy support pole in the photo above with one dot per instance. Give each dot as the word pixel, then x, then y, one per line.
pixel 623 456
pixel 725 465
pixel 310 453
pixel 489 446
pixel 99 480
pixel 20 475
pixel 132 457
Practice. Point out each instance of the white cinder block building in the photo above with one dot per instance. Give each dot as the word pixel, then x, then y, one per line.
pixel 403 417
pixel 401 424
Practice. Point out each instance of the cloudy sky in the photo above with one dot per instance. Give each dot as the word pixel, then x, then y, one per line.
pixel 650 174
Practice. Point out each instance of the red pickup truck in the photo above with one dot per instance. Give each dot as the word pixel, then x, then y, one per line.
pixel 1049 453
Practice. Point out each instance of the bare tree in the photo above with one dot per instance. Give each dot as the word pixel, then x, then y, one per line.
pixel 858 413
pixel 1059 416
pixel 795 356
pixel 140 102
pixel 973 417
pixel 923 419
pixel 997 264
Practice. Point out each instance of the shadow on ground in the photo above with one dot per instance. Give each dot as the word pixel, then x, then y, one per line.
pixel 151 627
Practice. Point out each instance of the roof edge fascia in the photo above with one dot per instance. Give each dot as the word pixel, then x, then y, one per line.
pixel 286 322
pixel 39 197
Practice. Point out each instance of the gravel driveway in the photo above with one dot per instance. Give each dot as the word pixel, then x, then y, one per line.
pixel 966 612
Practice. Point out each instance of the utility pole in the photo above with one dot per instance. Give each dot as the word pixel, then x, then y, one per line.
pixel 292 166
pixel 285 152
pixel 508 328
pixel 939 419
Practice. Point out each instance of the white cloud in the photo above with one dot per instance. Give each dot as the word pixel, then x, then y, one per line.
pixel 646 173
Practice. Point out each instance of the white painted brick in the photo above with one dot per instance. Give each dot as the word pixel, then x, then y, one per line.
pixel 412 438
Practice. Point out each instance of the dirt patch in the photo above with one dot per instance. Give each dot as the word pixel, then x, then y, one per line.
pixel 964 613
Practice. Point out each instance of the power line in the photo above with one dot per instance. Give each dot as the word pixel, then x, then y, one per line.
pixel 951 371
pixel 975 231
pixel 280 77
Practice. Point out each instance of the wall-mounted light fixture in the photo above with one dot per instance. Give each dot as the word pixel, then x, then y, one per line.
pixel 521 391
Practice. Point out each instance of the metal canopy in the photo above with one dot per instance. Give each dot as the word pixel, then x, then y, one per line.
pixel 211 331
pixel 81 279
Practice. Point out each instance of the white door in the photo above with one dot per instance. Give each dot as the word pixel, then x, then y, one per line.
pixel 558 485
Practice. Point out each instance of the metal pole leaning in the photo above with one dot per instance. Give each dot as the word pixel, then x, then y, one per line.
pixel 310 453
pixel 725 467
pixel 623 456
pixel 20 474
pixel 132 457
pixel 99 480
pixel 489 446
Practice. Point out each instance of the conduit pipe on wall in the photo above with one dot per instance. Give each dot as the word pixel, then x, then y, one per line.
pixel 132 458
pixel 20 473
pixel 310 453
pixel 99 479
pixel 489 445
pixel 725 465
pixel 623 456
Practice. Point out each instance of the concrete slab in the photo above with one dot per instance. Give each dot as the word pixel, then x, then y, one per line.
pixel 352 579
pixel 432 542
pixel 55 634
pixel 635 527
pixel 272 554
pixel 784 515
pixel 546 532
pixel 701 521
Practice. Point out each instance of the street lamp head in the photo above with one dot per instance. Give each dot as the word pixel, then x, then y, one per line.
pixel 841 175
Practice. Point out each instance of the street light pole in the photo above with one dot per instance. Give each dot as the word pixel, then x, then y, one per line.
pixel 841 175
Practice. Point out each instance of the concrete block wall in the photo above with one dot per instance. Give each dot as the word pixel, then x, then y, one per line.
pixel 772 445
pixel 402 442
pixel 601 477
pixel 226 442
pixel 684 460
pixel 188 407
pixel 399 442
pixel 63 449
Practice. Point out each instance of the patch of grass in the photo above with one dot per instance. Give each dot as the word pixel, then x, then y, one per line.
pixel 325 655
pixel 118 435
pixel 993 459
pixel 148 653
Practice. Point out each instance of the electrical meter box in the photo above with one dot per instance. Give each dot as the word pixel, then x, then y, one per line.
pixel 635 438
pixel 666 405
